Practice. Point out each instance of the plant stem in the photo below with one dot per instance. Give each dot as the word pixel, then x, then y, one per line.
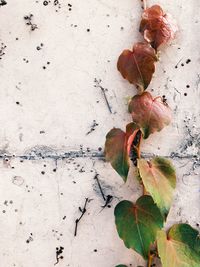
pixel 83 211
pixel 99 185
pixel 144 192
pixel 150 259
pixel 144 4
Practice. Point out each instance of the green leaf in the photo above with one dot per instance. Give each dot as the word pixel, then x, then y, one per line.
pixel 180 248
pixel 137 224
pixel 121 265
pixel 159 179
pixel 117 148
pixel 150 114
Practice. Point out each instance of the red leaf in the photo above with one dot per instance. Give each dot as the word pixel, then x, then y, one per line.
pixel 137 66
pixel 150 114
pixel 157 27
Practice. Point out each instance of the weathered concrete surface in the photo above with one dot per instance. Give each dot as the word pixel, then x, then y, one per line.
pixel 49 155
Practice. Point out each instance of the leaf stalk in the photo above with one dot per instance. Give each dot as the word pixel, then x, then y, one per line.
pixel 150 260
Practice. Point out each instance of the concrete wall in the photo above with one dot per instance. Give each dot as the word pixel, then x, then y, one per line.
pixel 54 119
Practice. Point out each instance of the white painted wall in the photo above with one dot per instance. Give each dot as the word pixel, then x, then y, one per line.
pixel 56 109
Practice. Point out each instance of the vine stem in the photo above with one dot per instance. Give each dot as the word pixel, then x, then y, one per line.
pixel 144 4
pixel 150 259
pixel 144 191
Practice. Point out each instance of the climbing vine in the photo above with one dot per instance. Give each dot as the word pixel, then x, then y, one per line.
pixel 140 225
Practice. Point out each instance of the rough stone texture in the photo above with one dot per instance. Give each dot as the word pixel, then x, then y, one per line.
pixel 49 152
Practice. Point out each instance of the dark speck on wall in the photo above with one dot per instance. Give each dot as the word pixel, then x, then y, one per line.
pixel 44 67
pixel 69 7
pixel 39 47
pixel 45 3
pixel 3 3
pixel 93 127
pixel 25 60
pixel 54 3
pixel 29 22
pixel 59 255
pixel 2 50
pixel 188 61
pixel 30 238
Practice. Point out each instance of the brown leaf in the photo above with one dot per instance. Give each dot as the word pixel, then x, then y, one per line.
pixel 137 66
pixel 149 114
pixel 157 27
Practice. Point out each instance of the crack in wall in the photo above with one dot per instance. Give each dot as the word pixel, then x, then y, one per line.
pixel 47 153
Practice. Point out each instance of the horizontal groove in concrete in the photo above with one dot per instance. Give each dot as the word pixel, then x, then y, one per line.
pixel 42 153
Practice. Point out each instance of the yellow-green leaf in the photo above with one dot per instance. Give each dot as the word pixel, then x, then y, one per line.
pixel 159 179
pixel 180 247
pixel 137 224
pixel 117 148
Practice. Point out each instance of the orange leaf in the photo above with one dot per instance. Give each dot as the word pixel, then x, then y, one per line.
pixel 157 27
pixel 137 66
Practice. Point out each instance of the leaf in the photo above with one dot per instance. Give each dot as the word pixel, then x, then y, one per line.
pixel 121 265
pixel 180 248
pixel 117 148
pixel 150 114
pixel 137 66
pixel 133 146
pixel 157 27
pixel 137 224
pixel 159 179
